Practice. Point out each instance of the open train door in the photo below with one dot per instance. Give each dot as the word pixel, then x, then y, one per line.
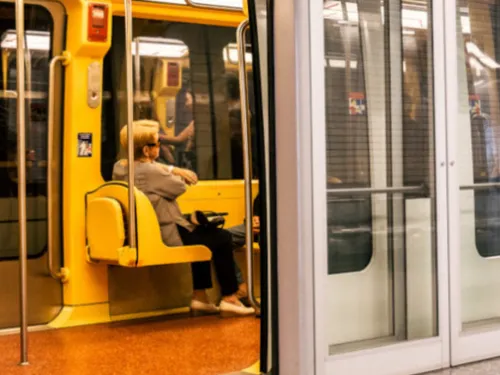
pixel 258 126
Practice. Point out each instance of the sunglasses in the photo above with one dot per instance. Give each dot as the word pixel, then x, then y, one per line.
pixel 157 144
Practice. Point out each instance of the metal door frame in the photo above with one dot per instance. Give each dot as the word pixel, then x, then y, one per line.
pixel 418 355
pixel 39 264
pixel 294 187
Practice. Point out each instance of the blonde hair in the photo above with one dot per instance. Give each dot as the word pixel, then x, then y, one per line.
pixel 145 132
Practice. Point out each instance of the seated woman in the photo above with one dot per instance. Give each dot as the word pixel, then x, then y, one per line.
pixel 162 184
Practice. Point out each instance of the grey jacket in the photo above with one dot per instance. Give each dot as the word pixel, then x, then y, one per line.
pixel 162 188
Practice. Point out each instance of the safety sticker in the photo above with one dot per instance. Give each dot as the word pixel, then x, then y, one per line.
pixel 84 145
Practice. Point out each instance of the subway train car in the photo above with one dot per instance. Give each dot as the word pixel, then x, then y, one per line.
pixel 369 129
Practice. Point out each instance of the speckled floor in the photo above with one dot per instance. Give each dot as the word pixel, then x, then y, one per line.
pixel 192 346
pixel 490 367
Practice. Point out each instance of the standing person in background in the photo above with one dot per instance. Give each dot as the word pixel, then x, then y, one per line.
pixel 183 140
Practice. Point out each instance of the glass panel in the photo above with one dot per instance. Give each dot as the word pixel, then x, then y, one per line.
pixel 185 78
pixel 380 135
pixel 479 121
pixel 38 39
pixel 349 219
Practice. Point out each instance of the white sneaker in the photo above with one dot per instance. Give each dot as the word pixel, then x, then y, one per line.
pixel 228 309
pixel 198 307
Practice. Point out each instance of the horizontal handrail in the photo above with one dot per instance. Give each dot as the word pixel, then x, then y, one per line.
pixel 10 94
pixel 370 191
pixel 482 186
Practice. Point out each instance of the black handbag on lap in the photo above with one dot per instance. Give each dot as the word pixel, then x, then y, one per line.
pixel 207 219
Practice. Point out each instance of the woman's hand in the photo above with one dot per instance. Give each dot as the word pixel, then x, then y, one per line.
pixel 188 176
pixel 190 130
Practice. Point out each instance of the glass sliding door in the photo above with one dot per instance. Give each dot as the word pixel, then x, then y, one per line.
pixel 473 32
pixel 378 255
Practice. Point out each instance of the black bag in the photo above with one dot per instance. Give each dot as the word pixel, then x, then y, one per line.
pixel 208 219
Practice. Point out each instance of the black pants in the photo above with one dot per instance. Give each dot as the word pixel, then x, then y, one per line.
pixel 219 241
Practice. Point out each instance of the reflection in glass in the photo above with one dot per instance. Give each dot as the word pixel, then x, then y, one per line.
pixel 479 124
pixel 186 79
pixel 379 119
pixel 38 38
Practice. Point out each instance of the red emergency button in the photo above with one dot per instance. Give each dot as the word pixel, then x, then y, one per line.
pixel 173 74
pixel 98 23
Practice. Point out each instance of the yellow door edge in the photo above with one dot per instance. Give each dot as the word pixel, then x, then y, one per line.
pixel 254 369
pixel 150 314
pixel 73 316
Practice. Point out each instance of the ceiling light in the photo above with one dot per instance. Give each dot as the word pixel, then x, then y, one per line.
pixel 160 47
pixel 36 40
pixel 236 4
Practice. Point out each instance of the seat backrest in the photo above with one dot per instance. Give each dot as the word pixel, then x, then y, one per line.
pixel 105 228
pixel 107 213
pixel 148 232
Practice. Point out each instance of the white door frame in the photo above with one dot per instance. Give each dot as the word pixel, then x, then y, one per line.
pixel 294 187
pixel 405 357
pixel 470 345
pixel 301 203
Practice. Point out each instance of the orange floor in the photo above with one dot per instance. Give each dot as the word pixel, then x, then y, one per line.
pixel 192 346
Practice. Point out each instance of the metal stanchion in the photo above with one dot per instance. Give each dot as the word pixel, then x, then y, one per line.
pixel 21 175
pixel 130 120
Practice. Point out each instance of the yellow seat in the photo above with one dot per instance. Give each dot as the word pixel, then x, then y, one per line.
pixel 107 237
pixel 255 247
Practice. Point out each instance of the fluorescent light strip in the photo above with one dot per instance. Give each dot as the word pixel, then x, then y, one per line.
pixel 176 2
pixel 483 58
pixel 236 4
pixel 340 64
pixel 151 47
pixel 36 40
pixel 414 19
pixel 160 47
pixel 230 53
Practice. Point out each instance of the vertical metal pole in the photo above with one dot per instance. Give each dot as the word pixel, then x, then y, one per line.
pixel 21 176
pixel 56 273
pixel 247 158
pixel 137 71
pixel 130 120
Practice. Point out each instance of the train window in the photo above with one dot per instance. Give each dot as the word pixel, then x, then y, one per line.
pixel 186 79
pixel 380 167
pixel 363 153
pixel 348 157
pixel 480 28
pixel 38 38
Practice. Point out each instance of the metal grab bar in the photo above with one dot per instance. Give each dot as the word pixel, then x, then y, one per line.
pixel 11 94
pixel 63 273
pixel 369 191
pixel 247 158
pixel 130 119
pixel 483 186
pixel 211 6
pixel 21 184
pixel 137 74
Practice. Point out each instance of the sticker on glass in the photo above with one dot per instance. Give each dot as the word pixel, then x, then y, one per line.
pixel 84 145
